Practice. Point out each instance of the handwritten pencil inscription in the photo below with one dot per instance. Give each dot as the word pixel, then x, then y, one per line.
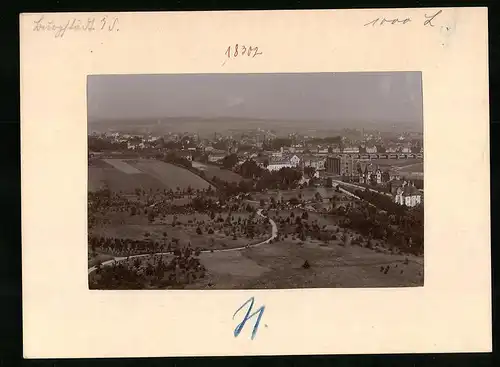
pixel 259 312
pixel 382 21
pixel 428 20
pixel 237 50
pixel 89 24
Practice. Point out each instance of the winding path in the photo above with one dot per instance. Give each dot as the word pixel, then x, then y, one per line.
pixel 274 233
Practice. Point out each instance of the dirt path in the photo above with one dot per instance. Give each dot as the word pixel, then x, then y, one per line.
pixel 274 233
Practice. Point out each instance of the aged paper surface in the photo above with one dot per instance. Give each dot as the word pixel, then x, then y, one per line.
pixel 63 318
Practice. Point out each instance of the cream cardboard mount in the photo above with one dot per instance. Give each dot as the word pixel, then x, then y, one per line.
pixel 62 318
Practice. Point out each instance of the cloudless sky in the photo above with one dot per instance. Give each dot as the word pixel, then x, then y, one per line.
pixel 371 97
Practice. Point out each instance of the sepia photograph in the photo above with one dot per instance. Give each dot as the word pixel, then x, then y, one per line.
pixel 255 181
pixel 229 194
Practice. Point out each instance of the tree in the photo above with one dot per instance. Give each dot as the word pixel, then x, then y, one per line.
pixel 346 239
pixel 151 216
pixel 302 236
pixel 309 171
pixel 250 169
pixel 230 161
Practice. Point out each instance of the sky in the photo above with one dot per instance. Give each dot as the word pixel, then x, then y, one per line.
pixel 362 97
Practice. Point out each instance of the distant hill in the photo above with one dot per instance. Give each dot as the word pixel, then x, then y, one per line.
pixel 221 124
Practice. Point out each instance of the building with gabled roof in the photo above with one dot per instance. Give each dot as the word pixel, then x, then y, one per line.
pixel 407 195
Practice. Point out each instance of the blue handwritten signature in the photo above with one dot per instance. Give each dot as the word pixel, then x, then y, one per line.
pixel 248 316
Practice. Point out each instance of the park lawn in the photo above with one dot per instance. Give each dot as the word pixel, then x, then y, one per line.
pixel 279 266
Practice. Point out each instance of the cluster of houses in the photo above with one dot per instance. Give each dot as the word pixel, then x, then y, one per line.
pixel 137 142
pixel 325 160
pixel 405 193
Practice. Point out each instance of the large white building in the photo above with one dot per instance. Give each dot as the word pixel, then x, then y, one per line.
pixel 294 160
pixel 278 164
pixel 275 163
pixel 216 157
pixel 407 195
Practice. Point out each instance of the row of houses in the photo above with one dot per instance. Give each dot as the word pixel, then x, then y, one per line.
pixel 374 149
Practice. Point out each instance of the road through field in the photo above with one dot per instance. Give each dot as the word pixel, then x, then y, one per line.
pixel 274 233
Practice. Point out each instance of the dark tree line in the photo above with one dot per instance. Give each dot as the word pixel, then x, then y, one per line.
pixel 182 269
pixel 98 144
pixel 173 157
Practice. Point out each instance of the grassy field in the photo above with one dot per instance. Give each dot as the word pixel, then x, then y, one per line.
pixel 101 176
pixel 211 171
pixel 122 166
pixel 279 265
pixel 145 174
pixel 135 227
pixel 395 162
pixel 321 219
pixel 417 167
pixel 306 194
pixel 171 176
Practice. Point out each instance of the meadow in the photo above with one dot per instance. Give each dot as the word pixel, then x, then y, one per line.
pixel 280 266
pixel 384 163
pixel 199 230
pixel 417 167
pixel 127 175
pixel 302 194
pixel 222 174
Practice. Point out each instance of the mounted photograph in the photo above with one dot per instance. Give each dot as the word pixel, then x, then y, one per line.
pixel 255 181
